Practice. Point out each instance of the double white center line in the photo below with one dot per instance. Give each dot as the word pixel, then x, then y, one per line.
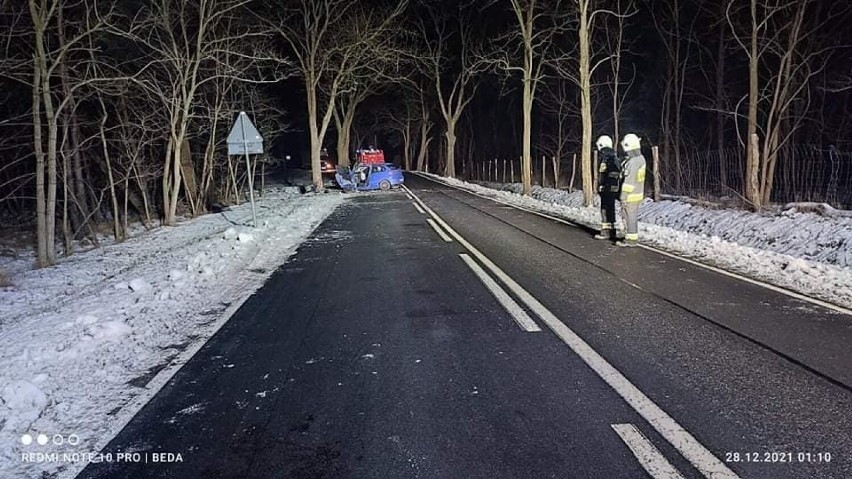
pixel 674 433
pixel 515 310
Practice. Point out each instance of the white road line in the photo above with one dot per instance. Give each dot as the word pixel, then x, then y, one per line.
pixel 439 231
pixel 772 287
pixel 673 432
pixel 651 459
pixel 419 208
pixel 513 308
pixel 409 197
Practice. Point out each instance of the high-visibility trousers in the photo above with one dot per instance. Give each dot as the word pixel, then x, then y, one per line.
pixel 630 216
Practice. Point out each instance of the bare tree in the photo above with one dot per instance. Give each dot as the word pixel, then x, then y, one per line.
pixel 47 62
pixel 678 42
pixel 187 45
pixel 781 63
pixel 453 75
pixel 529 48
pixel 331 41
pixel 558 103
pixel 617 46
pixel 588 61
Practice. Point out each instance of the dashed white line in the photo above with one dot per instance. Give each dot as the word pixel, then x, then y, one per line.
pixel 651 459
pixel 439 231
pixel 512 307
pixel 419 208
pixel 674 433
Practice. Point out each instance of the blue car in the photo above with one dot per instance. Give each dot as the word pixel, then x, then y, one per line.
pixel 363 177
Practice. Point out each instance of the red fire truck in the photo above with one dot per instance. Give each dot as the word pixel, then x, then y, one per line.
pixel 369 157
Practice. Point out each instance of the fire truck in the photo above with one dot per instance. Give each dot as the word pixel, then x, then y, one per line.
pixel 369 156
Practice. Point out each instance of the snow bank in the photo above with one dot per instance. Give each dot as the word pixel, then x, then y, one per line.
pixel 80 341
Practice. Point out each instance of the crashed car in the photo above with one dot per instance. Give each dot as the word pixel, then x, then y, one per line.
pixel 363 177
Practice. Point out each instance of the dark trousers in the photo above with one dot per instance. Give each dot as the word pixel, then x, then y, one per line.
pixel 608 210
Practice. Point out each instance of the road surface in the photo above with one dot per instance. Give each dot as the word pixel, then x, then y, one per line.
pixel 432 333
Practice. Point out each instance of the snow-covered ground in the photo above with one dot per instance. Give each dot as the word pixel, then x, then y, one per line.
pixel 804 252
pixel 84 344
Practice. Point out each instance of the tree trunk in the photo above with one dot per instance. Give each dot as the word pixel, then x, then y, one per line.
pixel 526 153
pixel 450 165
pixel 424 142
pixel 586 105
pixel 406 152
pixel 189 181
pixel 116 215
pixel 344 136
pixel 752 188
pixel 720 99
pixel 38 147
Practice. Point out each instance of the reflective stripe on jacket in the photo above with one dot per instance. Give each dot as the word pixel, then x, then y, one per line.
pixel 633 177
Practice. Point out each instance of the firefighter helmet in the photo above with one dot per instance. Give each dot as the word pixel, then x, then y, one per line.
pixel 630 142
pixel 603 142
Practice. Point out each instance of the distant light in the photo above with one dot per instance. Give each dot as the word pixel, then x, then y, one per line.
pixel 287 157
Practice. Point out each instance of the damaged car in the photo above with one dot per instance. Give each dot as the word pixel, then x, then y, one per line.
pixel 370 177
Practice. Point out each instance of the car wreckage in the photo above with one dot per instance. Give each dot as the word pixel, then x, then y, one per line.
pixel 369 177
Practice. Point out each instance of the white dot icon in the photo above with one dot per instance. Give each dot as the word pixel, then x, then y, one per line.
pixel 58 439
pixel 73 439
pixel 26 439
pixel 42 439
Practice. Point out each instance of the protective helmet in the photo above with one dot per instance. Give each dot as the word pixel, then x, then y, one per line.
pixel 630 142
pixel 603 142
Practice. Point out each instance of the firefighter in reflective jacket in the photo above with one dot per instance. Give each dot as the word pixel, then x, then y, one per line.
pixel 632 188
pixel 609 177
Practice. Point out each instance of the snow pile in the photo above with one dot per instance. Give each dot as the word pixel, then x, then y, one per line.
pixel 826 239
pixel 802 251
pixel 80 341
pixel 22 403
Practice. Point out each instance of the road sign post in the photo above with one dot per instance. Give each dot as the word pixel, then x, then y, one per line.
pixel 245 139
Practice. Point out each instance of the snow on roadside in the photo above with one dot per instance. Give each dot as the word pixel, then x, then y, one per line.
pixel 802 252
pixel 79 341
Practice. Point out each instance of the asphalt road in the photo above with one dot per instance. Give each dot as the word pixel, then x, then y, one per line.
pixel 378 351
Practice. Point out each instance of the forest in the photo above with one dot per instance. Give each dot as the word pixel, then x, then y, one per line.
pixel 116 112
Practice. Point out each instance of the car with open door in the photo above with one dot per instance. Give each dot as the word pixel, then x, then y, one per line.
pixel 370 177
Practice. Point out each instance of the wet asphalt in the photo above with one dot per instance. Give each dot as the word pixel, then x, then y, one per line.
pixel 376 352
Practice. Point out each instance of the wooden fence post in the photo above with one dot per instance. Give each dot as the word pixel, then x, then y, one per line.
pixel 573 173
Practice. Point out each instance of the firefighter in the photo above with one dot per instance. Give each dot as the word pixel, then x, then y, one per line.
pixel 609 178
pixel 632 188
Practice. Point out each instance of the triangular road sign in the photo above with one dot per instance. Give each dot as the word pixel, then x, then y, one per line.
pixel 244 137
